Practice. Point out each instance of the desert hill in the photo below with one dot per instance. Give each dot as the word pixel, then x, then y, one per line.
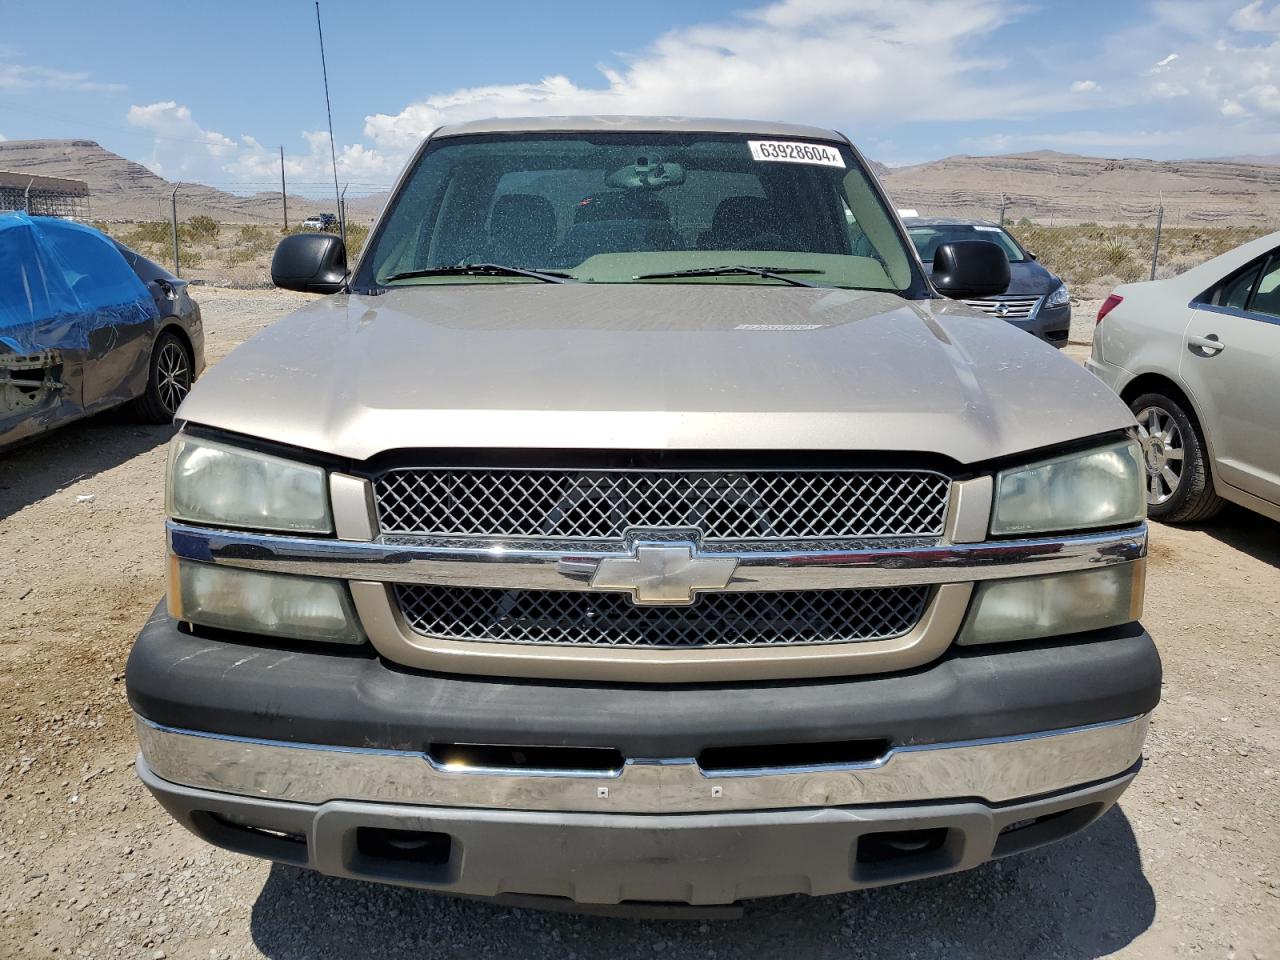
pixel 121 189
pixel 1044 186
pixel 1047 186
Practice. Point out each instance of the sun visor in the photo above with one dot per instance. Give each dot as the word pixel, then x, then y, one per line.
pixel 60 281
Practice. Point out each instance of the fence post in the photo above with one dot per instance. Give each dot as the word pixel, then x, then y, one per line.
pixel 173 214
pixel 1155 250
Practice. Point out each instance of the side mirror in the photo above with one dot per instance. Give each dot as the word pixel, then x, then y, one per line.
pixel 970 268
pixel 310 263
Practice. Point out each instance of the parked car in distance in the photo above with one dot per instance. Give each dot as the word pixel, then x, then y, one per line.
pixel 1036 301
pixel 1197 358
pixel 653 533
pixel 321 222
pixel 87 324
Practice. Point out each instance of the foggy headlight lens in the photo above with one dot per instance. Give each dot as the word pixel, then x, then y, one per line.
pixel 1033 607
pixel 1099 488
pixel 215 483
pixel 1059 297
pixel 272 604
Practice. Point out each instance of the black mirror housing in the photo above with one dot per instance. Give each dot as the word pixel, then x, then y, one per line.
pixel 970 268
pixel 310 263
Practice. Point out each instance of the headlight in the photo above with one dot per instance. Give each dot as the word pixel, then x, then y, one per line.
pixel 271 604
pixel 1032 607
pixel 1099 488
pixel 1059 297
pixel 219 484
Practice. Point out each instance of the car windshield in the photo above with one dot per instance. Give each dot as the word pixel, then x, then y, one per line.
pixel 639 208
pixel 929 238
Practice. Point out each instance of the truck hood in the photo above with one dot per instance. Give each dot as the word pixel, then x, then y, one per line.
pixel 650 367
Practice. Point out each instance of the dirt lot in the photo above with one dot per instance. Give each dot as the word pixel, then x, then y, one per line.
pixel 1188 866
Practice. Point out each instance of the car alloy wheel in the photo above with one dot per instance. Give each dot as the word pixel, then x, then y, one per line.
pixel 173 376
pixel 1163 452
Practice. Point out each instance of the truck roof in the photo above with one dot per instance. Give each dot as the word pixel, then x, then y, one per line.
pixel 626 124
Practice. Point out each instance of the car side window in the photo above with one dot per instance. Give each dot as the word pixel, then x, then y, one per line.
pixel 1234 293
pixel 1266 298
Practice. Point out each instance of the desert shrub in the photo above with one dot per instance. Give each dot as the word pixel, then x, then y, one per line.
pixel 357 234
pixel 200 228
pixel 148 232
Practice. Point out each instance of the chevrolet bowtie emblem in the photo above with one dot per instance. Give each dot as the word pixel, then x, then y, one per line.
pixel 664 573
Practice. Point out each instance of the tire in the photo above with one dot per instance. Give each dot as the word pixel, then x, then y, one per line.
pixel 168 380
pixel 1179 484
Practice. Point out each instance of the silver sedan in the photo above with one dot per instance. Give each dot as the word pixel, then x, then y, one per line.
pixel 1197 358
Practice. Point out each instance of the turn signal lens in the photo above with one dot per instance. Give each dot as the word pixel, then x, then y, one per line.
pixel 1032 607
pixel 269 604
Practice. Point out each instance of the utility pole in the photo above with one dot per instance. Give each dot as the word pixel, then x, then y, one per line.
pixel 333 153
pixel 173 214
pixel 1002 206
pixel 284 196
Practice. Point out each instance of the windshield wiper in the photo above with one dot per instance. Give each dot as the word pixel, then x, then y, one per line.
pixel 773 273
pixel 482 270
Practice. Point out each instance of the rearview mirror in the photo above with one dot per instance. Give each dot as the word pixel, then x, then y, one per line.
pixel 310 263
pixel 970 268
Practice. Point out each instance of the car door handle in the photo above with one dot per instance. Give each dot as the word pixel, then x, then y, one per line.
pixel 1211 345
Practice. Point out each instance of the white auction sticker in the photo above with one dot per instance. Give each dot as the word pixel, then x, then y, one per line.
pixel 794 151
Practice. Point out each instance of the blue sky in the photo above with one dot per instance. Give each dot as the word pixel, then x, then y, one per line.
pixel 208 92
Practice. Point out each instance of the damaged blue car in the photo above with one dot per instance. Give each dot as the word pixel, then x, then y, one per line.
pixel 85 325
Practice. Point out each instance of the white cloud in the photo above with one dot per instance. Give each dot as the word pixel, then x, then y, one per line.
pixel 170 121
pixel 1232 108
pixel 1161 64
pixel 1085 86
pixel 20 76
pixel 1254 18
pixel 789 58
pixel 184 150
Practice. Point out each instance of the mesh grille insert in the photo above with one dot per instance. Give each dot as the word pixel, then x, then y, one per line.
pixel 603 504
pixel 610 619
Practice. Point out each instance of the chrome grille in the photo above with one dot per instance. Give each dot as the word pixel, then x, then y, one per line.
pixel 1015 308
pixel 565 617
pixel 604 504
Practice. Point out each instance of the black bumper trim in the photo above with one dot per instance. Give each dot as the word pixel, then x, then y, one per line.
pixel 178 679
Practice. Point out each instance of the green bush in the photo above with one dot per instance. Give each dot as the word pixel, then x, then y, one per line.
pixel 148 232
pixel 200 228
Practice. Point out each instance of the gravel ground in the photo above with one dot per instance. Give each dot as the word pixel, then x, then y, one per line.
pixel 1187 866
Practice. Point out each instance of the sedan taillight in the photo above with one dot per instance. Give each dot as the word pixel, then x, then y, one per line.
pixel 1109 304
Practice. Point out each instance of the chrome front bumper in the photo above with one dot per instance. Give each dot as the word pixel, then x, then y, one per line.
pixel 999 770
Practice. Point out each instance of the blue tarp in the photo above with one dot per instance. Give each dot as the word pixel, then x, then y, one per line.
pixel 59 281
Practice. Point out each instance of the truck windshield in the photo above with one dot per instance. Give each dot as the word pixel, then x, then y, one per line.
pixel 639 208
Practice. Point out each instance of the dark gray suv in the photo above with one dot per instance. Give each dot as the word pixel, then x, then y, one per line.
pixel 1036 301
